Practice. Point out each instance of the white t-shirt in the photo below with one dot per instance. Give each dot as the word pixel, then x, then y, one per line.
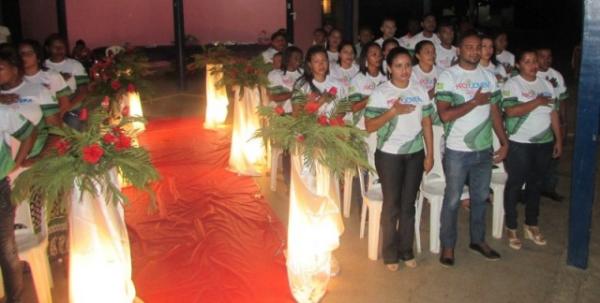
pixel 498 71
pixel 268 54
pixel 560 89
pixel 4 34
pixel 405 40
pixel 52 81
pixel 71 66
pixel 33 98
pixel 420 37
pixel 506 57
pixel 427 82
pixel 362 86
pixel 403 134
pixel 473 131
pixel 445 57
pixel 333 57
pixel 12 125
pixel 280 83
pixel 342 75
pixel 302 92
pixel 534 127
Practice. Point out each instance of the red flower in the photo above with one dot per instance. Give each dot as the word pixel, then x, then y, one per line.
pixel 300 138
pixel 115 84
pixel 311 107
pixel 332 91
pixel 279 110
pixel 83 114
pixel 117 130
pixel 105 102
pixel 313 97
pixel 123 142
pixel 109 138
pixel 323 120
pixel 62 146
pixel 338 121
pixel 125 111
pixel 92 153
pixel 130 88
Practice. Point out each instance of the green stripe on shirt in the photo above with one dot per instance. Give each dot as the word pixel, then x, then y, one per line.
pixel 23 132
pixel 6 161
pixel 445 96
pixel 82 79
pixel 49 109
pixel 278 90
pixel 64 92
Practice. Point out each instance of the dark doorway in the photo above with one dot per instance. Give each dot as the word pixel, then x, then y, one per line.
pixel 11 17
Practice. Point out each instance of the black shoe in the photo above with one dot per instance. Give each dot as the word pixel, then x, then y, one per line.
pixel 446 262
pixel 488 253
pixel 553 196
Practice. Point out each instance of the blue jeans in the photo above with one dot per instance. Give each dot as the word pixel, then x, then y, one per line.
pixel 476 167
pixel 12 269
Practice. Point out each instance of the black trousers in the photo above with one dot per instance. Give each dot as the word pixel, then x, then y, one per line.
pixel 400 177
pixel 12 268
pixel 525 163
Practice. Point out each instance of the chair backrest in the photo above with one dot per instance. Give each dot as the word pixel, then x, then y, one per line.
pixel 373 177
pixel 437 172
pixel 499 167
pixel 30 218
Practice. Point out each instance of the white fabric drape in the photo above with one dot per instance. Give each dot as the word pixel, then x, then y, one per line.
pixel 100 259
pixel 314 227
pixel 247 156
pixel 216 99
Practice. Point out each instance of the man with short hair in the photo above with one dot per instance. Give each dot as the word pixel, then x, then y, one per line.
pixel 467 98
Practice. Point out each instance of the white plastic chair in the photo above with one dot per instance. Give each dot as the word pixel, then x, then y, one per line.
pixel 113 50
pixel 372 201
pixel 276 154
pixel 498 183
pixel 432 189
pixel 33 249
pixel 348 176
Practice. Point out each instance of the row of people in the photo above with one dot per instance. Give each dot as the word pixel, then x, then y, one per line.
pixel 34 94
pixel 470 98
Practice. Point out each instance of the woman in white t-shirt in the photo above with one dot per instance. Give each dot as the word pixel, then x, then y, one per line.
pixel 31 54
pixel 488 60
pixel 386 47
pixel 334 40
pixel 370 75
pixel 399 111
pixel 345 68
pixel 73 73
pixel 425 73
pixel 533 126
pixel 316 84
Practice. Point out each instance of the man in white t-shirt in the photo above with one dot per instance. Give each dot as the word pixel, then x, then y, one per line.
pixel 467 98
pixel 560 89
pixel 445 52
pixel 278 44
pixel 428 24
pixel 4 34
pixel 388 30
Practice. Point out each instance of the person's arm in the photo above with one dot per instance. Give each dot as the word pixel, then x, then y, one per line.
pixel 280 97
pixel 450 113
pixel 555 124
pixel 375 123
pixel 498 126
pixel 427 125
pixel 524 108
pixel 24 150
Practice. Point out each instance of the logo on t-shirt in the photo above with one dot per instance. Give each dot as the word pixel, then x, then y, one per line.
pixel 469 87
pixel 528 94
pixel 427 83
pixel 287 81
pixel 25 100
pixel 369 87
pixel 410 99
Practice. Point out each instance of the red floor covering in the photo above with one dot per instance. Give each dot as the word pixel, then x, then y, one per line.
pixel 213 238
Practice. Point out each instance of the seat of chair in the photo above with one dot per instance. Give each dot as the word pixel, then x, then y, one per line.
pixel 375 195
pixel 28 241
pixel 437 187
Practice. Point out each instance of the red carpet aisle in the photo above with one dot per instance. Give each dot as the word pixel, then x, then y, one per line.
pixel 214 238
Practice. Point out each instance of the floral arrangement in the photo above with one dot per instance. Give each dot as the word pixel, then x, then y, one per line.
pixel 320 136
pixel 236 70
pixel 86 157
pixel 105 143
pixel 119 74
